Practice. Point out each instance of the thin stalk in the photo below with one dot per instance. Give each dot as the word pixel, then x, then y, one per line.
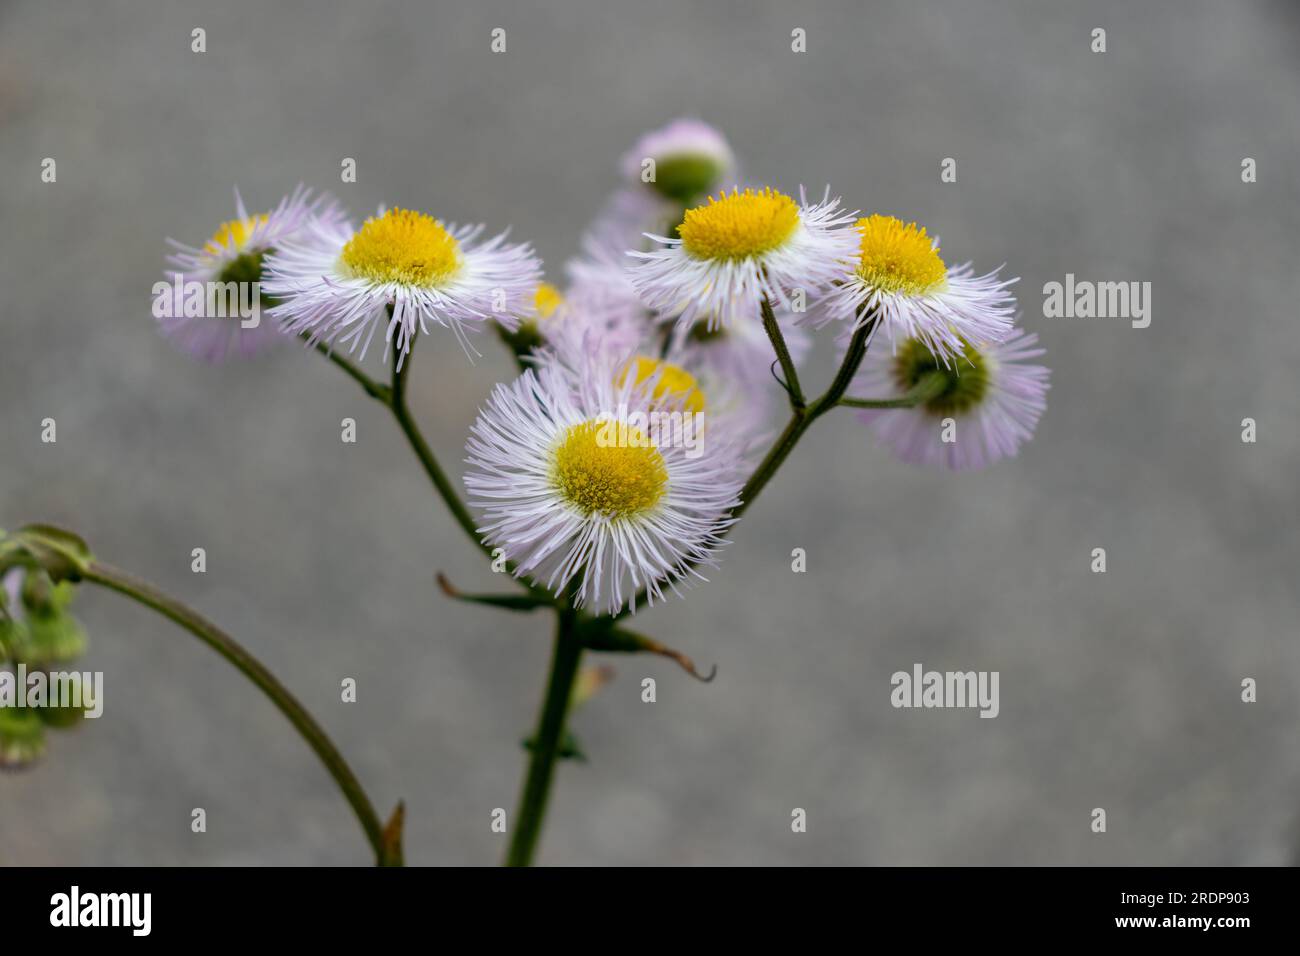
pixel 387 853
pixel 546 740
pixel 801 419
pixel 450 497
pixel 930 385
pixel 393 397
pixel 374 389
pixel 788 370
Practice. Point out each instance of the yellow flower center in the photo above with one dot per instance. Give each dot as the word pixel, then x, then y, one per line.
pixel 610 468
pixel 899 257
pixel 740 225
pixel 404 247
pixel 546 300
pixel 675 384
pixel 231 236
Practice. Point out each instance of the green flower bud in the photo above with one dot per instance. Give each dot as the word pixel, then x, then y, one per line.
pixel 42 596
pixel 61 718
pixel 49 635
pixel 14 637
pixel 687 178
pixel 22 738
pixel 53 639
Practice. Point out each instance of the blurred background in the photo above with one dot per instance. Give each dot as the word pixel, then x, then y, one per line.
pixel 1118 690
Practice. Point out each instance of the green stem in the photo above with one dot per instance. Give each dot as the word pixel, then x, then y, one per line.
pixel 394 399
pixel 372 388
pixel 930 385
pixel 800 421
pixel 402 412
pixel 788 370
pixel 803 418
pixel 546 740
pixel 386 853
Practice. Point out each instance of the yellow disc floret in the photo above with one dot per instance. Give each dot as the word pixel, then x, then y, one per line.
pixel 898 257
pixel 676 385
pixel 739 226
pixel 404 247
pixel 546 300
pixel 610 468
pixel 231 236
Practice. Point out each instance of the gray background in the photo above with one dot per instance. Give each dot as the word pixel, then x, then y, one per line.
pixel 1118 690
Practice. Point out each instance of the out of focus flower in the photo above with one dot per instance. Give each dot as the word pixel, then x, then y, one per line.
pixel 37 633
pixel 666 172
pixel 338 285
pixel 36 625
pixel 899 278
pixel 601 308
pixel 682 162
pixel 235 254
pixel 990 403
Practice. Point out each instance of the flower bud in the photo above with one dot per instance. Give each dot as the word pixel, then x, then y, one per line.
pixel 53 639
pixel 22 738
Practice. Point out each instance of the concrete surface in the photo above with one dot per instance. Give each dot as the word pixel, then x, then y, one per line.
pixel 1118 691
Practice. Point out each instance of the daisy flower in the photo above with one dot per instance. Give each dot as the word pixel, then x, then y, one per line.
pixel 899 277
pixel 582 487
pixel 598 312
pixel 689 159
pixel 538 314
pixel 601 304
pixel 739 248
pixel 602 314
pixel 666 172
pixel 236 254
pixel 337 284
pixel 989 405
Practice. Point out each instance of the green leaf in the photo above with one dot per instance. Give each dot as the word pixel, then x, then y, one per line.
pixel 60 552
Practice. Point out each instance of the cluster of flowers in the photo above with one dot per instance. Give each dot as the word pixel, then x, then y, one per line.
pixel 37 633
pixel 661 315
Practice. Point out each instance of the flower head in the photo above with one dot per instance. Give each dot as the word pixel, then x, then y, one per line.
pixel 602 310
pixel 338 283
pixel 236 253
pixel 579 478
pixel 987 403
pixel 899 279
pixel 689 159
pixel 737 249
